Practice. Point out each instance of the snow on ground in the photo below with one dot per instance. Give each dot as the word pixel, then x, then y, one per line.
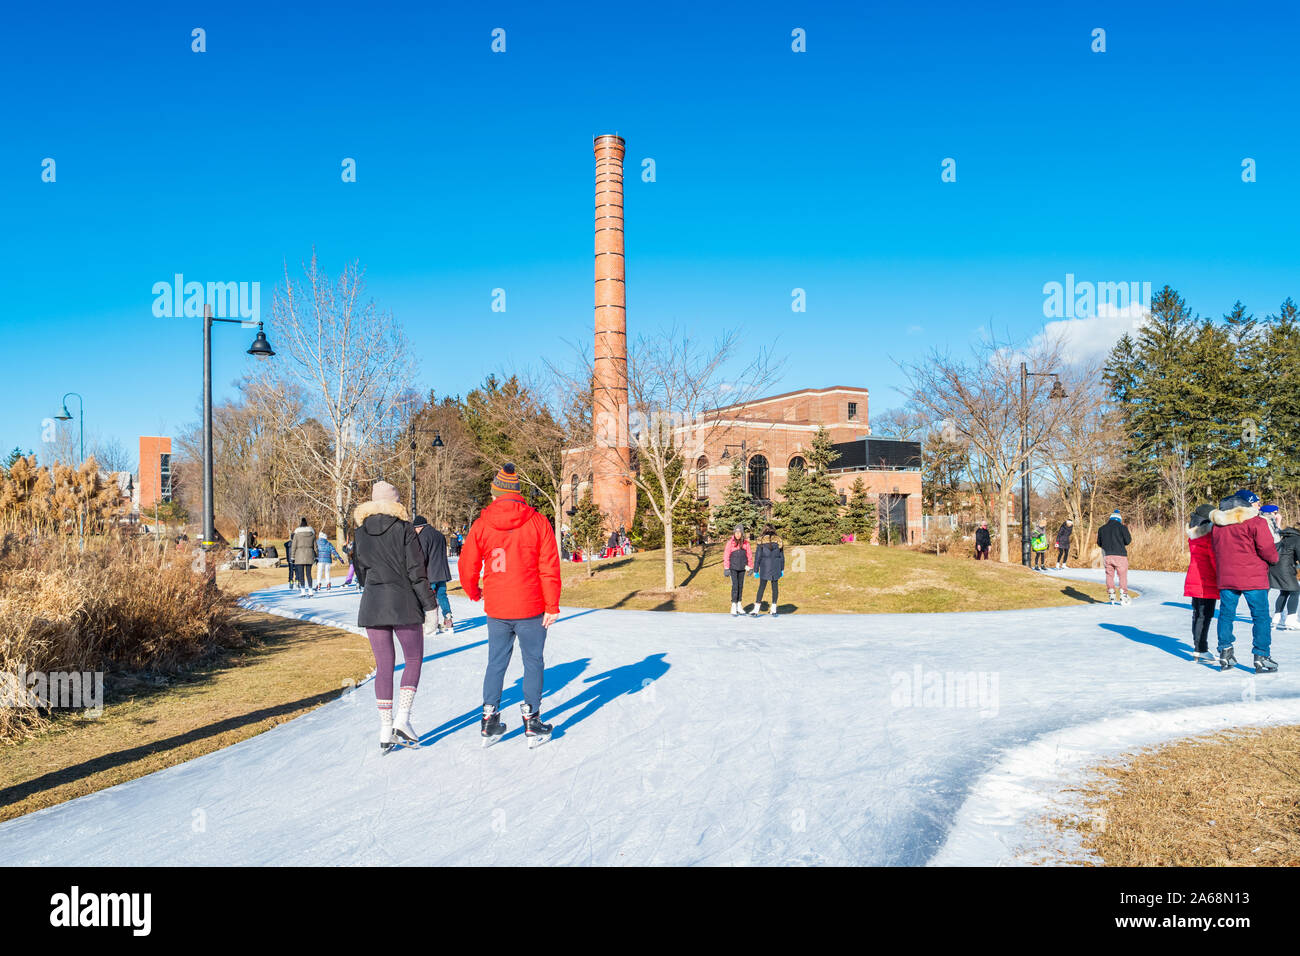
pixel 696 738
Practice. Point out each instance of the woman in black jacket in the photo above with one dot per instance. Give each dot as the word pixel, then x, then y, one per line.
pixel 390 569
pixel 769 565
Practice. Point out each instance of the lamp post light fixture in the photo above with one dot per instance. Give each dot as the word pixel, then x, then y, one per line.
pixel 436 443
pixel 64 415
pixel 260 349
pixel 1058 392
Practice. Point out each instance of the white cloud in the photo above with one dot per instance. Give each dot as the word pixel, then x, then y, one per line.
pixel 1087 340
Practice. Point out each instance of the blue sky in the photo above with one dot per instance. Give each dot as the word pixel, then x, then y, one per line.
pixel 775 170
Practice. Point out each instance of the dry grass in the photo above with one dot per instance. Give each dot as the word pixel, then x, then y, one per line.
pixel 837 579
pixel 1228 799
pixel 286 669
pixel 114 607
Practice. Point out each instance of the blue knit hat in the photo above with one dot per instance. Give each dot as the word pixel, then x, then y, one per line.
pixel 1114 516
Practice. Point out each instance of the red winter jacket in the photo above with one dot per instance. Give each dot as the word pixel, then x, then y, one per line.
pixel 1243 549
pixel 1202 577
pixel 514 548
pixel 732 546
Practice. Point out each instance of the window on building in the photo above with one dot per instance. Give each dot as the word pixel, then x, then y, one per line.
pixel 853 411
pixel 573 491
pixel 702 477
pixel 797 462
pixel 165 477
pixel 758 477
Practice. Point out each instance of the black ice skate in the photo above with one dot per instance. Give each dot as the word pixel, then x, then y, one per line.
pixel 491 726
pixel 1227 659
pixel 1264 664
pixel 535 731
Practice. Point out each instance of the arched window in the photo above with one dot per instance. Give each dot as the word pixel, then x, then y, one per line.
pixel 797 462
pixel 758 477
pixel 702 477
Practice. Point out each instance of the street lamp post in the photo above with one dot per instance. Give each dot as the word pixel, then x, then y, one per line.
pixel 261 349
pixel 63 416
pixel 437 443
pixel 1057 392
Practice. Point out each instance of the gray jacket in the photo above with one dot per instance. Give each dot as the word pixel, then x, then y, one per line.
pixel 302 545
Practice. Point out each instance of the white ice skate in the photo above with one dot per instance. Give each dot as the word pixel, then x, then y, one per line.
pixel 1124 599
pixel 756 612
pixel 735 609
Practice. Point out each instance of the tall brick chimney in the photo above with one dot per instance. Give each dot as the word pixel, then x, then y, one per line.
pixel 612 486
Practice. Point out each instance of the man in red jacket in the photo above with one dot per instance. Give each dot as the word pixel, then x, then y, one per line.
pixel 1243 550
pixel 514 548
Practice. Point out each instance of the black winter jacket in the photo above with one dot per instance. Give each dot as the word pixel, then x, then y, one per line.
pixel 1063 535
pixel 982 538
pixel 390 568
pixel 769 561
pixel 1113 538
pixel 1282 575
pixel 433 545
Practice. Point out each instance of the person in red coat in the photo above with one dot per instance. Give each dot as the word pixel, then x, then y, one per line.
pixel 513 548
pixel 1201 583
pixel 1243 551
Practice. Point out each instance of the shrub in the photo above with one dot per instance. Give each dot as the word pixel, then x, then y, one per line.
pixel 116 606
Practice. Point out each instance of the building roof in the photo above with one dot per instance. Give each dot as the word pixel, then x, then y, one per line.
pixel 800 391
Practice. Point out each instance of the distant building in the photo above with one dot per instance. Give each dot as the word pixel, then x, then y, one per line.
pixel 774 434
pixel 155 484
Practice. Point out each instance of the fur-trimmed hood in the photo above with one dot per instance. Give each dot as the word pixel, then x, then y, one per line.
pixel 1199 527
pixel 1238 515
pixel 368 509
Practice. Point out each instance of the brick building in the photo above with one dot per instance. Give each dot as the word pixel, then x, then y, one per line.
pixel 773 434
pixel 155 484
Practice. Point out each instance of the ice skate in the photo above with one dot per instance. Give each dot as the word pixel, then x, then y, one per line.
pixel 756 612
pixel 492 727
pixel 403 733
pixel 536 732
pixel 1264 664
pixel 1227 659
pixel 1110 596
pixel 1124 598
pixel 386 729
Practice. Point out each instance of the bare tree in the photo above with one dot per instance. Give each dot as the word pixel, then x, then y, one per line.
pixel 982 400
pixel 353 364
pixel 680 395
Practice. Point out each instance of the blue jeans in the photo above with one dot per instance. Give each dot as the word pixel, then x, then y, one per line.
pixel 1261 629
pixel 440 592
pixel 501 645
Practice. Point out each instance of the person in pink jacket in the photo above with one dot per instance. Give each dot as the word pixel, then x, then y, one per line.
pixel 736 560
pixel 1201 583
pixel 1243 551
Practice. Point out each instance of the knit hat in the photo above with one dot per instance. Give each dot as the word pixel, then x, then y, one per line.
pixel 419 520
pixel 739 528
pixel 506 481
pixel 1268 510
pixel 383 491
pixel 1203 511
pixel 1115 516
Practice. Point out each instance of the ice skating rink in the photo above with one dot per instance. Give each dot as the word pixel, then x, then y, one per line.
pixel 697 739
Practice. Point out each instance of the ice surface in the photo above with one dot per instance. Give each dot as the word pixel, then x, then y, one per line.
pixel 695 739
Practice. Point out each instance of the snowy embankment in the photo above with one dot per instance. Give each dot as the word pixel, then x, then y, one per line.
pixel 696 738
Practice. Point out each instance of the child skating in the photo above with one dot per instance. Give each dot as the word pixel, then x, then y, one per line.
pixel 736 560
pixel 1201 582
pixel 769 565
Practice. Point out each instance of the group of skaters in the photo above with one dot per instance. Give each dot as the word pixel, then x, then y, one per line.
pixel 510 546
pixel 765 561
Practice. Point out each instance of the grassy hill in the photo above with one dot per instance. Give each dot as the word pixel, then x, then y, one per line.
pixel 845 578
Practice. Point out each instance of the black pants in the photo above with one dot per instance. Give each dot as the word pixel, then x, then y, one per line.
pixel 762 584
pixel 1062 554
pixel 1040 559
pixel 981 552
pixel 1202 617
pixel 737 586
pixel 299 575
pixel 1289 599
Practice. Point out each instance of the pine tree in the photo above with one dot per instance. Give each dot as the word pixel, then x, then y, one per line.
pixel 588 529
pixel 809 510
pixel 738 507
pixel 1278 399
pixel 860 514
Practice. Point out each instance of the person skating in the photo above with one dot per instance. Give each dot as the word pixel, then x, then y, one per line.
pixel 348 547
pixel 769 565
pixel 395 599
pixel 434 546
pixel 513 548
pixel 1201 582
pixel 1282 576
pixel 1038 547
pixel 983 541
pixel 326 555
pixel 288 559
pixel 1113 538
pixel 1063 534
pixel 736 560
pixel 1243 552
pixel 302 547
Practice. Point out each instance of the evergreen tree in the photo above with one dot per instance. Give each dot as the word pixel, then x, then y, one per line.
pixel 738 507
pixel 1277 403
pixel 809 511
pixel 860 514
pixel 13 457
pixel 587 526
